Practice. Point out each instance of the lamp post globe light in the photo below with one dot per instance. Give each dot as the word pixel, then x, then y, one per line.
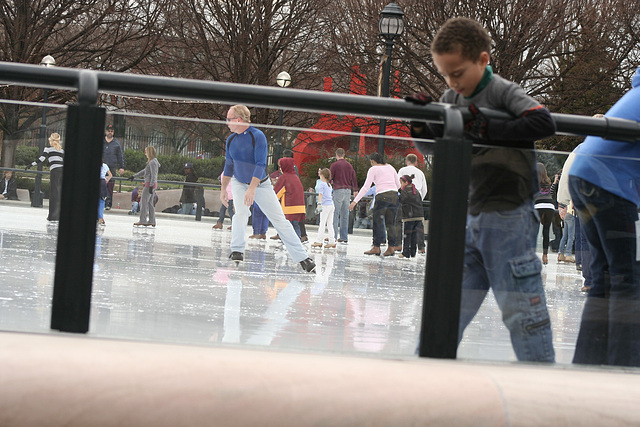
pixel 390 26
pixel 283 80
pixel 36 200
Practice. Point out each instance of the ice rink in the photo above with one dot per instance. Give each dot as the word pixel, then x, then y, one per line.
pixel 175 284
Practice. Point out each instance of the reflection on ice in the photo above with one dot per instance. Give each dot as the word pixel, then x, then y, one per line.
pixel 176 284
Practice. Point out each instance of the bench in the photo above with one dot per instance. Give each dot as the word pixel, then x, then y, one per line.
pixel 167 199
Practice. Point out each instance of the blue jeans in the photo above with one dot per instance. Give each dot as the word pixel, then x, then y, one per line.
pixel 341 200
pixel 268 202
pixel 260 222
pixel 224 210
pixel 500 255
pixel 566 243
pixel 610 326
pixel 384 215
pixel 187 208
pixel 101 204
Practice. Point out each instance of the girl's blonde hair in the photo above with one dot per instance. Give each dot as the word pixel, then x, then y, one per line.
pixel 54 141
pixel 151 152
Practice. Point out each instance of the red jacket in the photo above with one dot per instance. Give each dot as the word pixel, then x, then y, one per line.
pixel 290 191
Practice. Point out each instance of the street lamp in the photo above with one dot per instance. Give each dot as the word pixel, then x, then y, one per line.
pixel 36 201
pixel 283 80
pixel 390 26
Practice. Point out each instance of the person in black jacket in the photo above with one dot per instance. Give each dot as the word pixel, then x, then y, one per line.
pixel 189 196
pixel 8 187
pixel 411 207
pixel 114 158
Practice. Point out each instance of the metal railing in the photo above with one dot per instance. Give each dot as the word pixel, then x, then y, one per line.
pixel 452 158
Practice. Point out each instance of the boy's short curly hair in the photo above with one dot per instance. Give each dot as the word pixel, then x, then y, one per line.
pixel 463 35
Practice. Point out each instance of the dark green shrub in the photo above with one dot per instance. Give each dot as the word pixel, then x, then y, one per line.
pixel 174 164
pixel 134 160
pixel 25 155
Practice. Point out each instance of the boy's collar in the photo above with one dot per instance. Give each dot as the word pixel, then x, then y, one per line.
pixel 486 78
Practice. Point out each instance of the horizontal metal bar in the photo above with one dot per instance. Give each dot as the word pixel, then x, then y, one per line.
pixel 291 99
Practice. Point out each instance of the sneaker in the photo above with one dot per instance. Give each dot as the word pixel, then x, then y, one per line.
pixel 343 241
pixel 560 257
pixel 308 265
pixel 422 251
pixel 131 213
pixel 236 256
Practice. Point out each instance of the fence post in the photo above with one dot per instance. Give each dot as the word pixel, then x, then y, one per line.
pixel 79 212
pixel 443 275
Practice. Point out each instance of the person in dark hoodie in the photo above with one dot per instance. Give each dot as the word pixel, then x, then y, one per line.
pixel 188 196
pixel 411 207
pixel 290 192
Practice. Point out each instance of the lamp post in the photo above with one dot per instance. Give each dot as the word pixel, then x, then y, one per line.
pixel 390 26
pixel 38 195
pixel 283 80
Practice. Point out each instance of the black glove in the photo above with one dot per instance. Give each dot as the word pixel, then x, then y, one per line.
pixel 150 190
pixel 419 98
pixel 131 178
pixel 477 127
pixel 27 167
pixel 418 129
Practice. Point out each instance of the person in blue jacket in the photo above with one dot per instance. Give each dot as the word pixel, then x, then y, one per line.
pixel 604 182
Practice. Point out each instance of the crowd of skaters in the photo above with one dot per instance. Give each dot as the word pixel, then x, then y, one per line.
pixel 397 220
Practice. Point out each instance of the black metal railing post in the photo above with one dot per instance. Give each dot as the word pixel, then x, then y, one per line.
pixel 443 276
pixel 79 211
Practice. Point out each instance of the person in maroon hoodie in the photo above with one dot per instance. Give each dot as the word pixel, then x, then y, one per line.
pixel 290 192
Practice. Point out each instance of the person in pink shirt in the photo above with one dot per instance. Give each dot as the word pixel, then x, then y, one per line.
pixel 386 180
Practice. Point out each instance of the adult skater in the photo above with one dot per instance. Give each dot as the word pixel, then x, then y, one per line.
pixel 245 171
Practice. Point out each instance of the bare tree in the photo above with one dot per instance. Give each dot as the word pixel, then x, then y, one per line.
pixel 113 35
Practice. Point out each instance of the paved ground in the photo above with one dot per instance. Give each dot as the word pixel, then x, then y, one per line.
pixel 175 284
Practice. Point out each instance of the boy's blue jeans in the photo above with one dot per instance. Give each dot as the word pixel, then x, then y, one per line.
pixel 610 326
pixel 500 255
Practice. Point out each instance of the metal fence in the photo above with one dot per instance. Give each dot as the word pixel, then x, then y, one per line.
pixel 85 122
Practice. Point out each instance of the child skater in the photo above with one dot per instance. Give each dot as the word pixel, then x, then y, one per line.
pixel 411 207
pixel 105 176
pixel 326 208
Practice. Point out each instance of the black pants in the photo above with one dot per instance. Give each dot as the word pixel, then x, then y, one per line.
pixel 410 243
pixel 55 190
